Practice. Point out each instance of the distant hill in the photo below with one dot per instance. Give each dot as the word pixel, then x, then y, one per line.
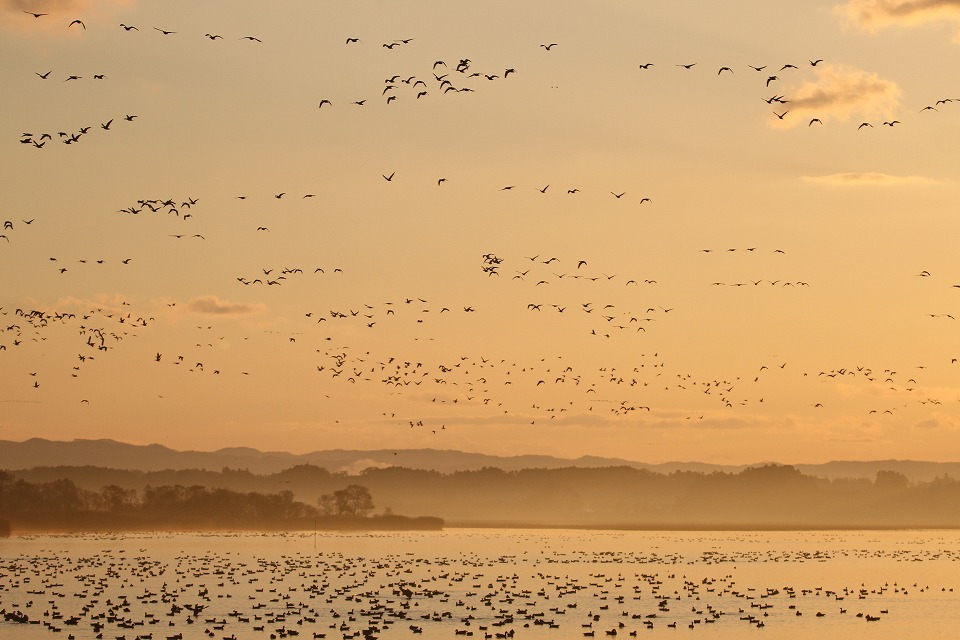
pixel 38 452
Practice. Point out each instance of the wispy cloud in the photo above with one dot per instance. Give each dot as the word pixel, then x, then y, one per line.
pixel 873 15
pixel 839 92
pixel 867 179
pixel 216 306
pixel 101 303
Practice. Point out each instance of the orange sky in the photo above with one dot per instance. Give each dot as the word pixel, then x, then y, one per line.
pixel 579 257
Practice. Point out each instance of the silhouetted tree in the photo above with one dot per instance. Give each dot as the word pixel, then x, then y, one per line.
pixel 116 499
pixel 355 500
pixel 891 481
pixel 327 504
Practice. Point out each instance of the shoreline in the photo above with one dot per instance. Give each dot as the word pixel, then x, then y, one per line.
pixel 505 527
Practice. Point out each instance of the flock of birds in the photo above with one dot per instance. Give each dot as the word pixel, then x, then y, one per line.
pixel 233 593
pixel 507 387
pixel 329 338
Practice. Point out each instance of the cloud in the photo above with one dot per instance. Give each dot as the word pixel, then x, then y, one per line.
pixel 873 15
pixel 941 423
pixel 868 179
pixel 101 303
pixel 359 466
pixel 216 306
pixel 840 92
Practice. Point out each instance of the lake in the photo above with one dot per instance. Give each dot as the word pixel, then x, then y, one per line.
pixel 482 583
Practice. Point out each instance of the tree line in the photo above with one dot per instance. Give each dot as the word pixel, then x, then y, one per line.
pixel 768 496
pixel 62 504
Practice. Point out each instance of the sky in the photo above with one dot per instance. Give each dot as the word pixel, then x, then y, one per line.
pixel 660 231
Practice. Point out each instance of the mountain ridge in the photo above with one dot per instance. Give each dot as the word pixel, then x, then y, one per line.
pixel 108 453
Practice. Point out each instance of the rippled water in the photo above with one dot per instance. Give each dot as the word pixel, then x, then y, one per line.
pixel 483 583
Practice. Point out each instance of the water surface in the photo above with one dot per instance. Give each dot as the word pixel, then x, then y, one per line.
pixel 483 583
